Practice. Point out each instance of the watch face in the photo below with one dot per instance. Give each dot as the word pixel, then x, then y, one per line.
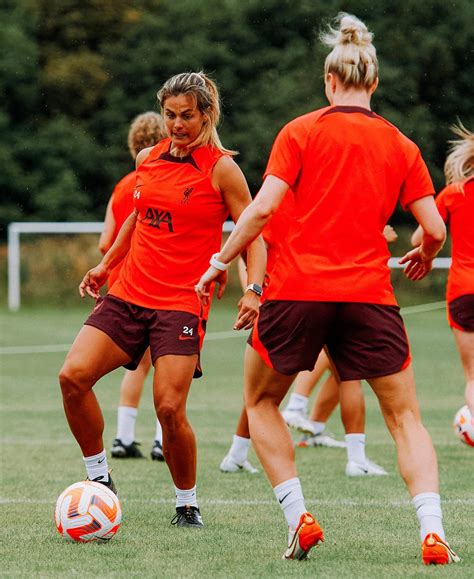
pixel 255 288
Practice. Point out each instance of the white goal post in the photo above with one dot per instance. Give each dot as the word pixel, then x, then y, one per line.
pixel 15 229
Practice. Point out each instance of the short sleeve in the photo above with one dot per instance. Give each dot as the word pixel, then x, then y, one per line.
pixel 285 157
pixel 418 182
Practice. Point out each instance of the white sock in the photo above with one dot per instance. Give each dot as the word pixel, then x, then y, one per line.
pixel 186 497
pixel 126 418
pixel 428 511
pixel 297 403
pixel 356 448
pixel 318 427
pixel 159 432
pixel 240 449
pixel 96 466
pixel 290 497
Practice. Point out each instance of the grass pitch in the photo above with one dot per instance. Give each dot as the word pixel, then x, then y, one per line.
pixel 370 526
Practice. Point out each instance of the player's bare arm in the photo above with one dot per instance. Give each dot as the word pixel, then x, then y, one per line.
pixel 431 238
pixel 96 277
pixel 229 179
pixel 106 237
pixel 249 226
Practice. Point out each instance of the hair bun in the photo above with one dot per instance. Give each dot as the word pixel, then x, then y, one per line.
pixel 353 31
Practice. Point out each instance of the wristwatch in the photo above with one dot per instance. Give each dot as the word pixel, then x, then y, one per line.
pixel 254 287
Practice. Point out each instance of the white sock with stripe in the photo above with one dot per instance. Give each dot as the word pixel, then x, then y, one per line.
pixel 97 466
pixel 290 497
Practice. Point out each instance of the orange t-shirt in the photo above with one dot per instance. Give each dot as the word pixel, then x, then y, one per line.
pixel 179 226
pixel 122 207
pixel 456 206
pixel 347 167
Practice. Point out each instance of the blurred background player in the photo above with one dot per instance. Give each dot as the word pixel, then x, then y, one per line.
pixel 456 206
pixel 331 286
pixel 145 131
pixel 186 187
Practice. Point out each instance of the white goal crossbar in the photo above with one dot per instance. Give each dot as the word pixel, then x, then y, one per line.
pixel 15 229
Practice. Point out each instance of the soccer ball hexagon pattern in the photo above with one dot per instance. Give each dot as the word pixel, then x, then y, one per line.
pixel 87 511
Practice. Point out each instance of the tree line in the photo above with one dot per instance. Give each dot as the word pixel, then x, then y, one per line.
pixel 74 73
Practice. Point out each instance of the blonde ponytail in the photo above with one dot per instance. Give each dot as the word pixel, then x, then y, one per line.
pixel 459 164
pixel 353 57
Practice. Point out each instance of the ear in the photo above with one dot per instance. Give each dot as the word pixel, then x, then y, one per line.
pixel 374 86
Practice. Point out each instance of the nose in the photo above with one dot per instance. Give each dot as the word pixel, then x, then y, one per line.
pixel 178 123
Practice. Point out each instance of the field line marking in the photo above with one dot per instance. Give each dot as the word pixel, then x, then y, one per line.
pixel 346 502
pixel 420 308
pixel 224 335
pixel 52 348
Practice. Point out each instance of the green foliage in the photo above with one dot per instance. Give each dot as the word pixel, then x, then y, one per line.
pixel 75 72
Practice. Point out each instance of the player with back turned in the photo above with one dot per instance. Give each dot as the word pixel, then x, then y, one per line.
pixel 348 168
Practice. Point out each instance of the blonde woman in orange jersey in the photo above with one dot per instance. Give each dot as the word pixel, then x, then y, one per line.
pixel 186 186
pixel 146 130
pixel 456 206
pixel 330 286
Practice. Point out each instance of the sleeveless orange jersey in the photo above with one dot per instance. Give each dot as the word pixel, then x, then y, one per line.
pixel 348 168
pixel 179 227
pixel 456 206
pixel 122 207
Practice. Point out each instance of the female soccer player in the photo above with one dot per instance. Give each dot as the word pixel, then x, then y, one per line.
pixel 456 206
pixel 145 131
pixel 330 286
pixel 186 186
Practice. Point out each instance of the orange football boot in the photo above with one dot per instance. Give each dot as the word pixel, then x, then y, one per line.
pixel 308 534
pixel 435 551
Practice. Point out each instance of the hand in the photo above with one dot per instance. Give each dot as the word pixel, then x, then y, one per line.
pixel 248 310
pixel 418 266
pixel 203 286
pixel 93 281
pixel 390 234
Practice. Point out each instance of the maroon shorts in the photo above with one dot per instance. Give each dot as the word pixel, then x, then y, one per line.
pixel 362 340
pixel 134 328
pixel 461 313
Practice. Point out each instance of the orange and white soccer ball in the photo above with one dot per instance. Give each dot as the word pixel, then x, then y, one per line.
pixel 87 511
pixel 464 425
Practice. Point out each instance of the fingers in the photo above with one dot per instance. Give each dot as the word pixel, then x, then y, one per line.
pixel 416 270
pixel 221 290
pixel 203 293
pixel 84 287
pixel 245 318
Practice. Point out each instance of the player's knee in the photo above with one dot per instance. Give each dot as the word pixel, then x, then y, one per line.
pixel 169 414
pixel 72 381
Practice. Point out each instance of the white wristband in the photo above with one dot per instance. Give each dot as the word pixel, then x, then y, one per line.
pixel 218 264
